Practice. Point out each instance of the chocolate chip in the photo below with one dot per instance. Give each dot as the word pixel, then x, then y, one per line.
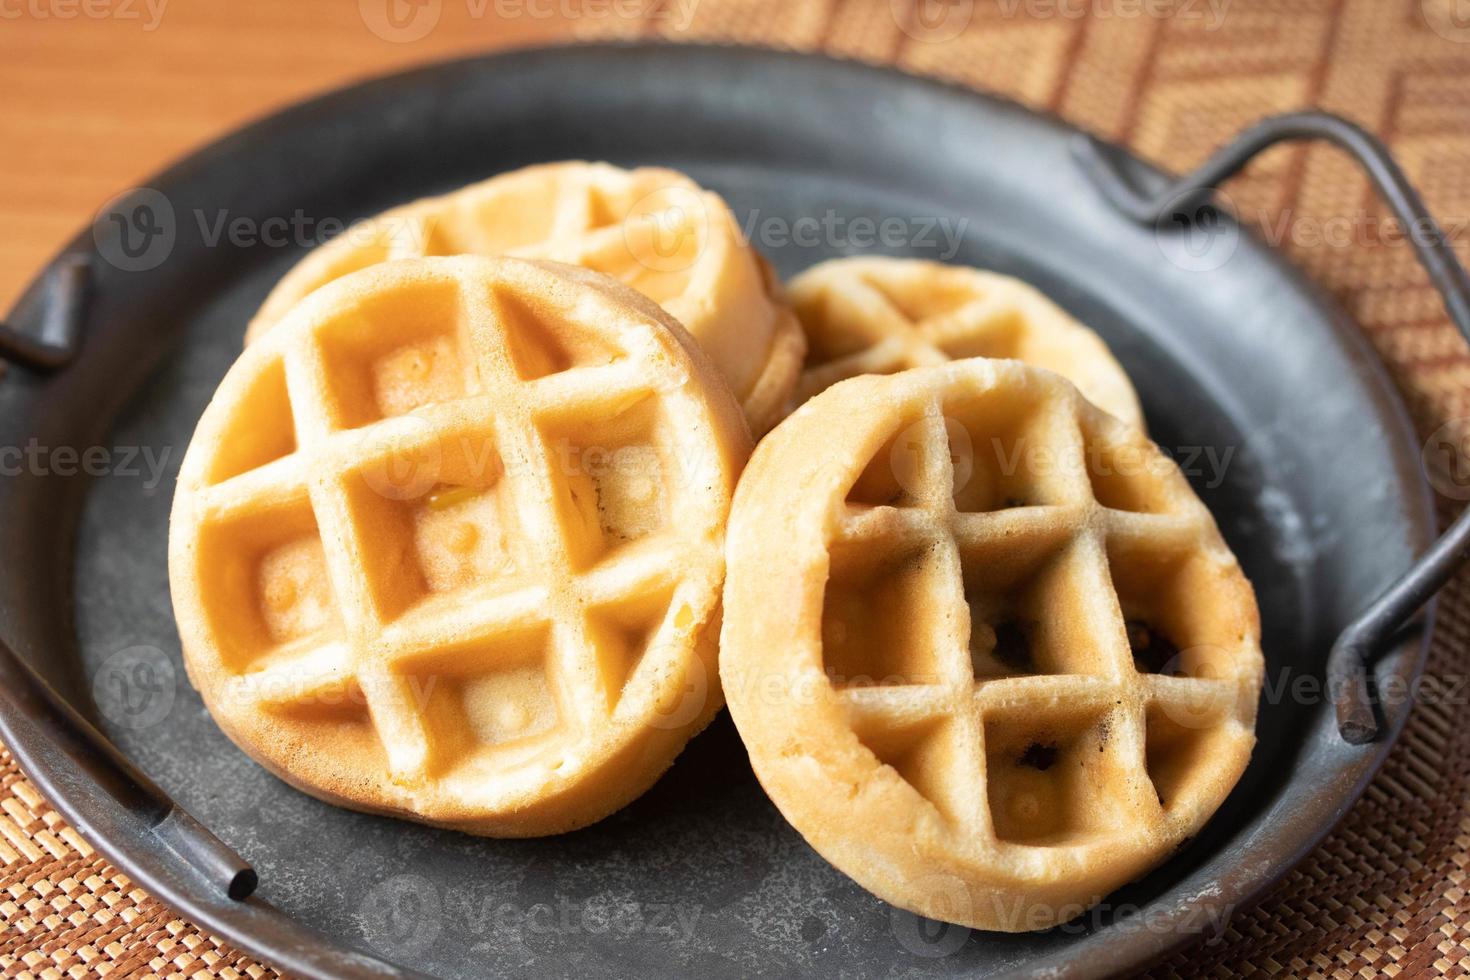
pixel 1013 645
pixel 1038 756
pixel 1153 653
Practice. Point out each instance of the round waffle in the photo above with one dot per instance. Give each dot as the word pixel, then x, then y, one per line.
pixel 655 229
pixel 881 315
pixel 448 543
pixel 987 650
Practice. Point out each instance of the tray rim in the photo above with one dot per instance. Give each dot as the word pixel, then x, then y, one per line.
pixel 1128 952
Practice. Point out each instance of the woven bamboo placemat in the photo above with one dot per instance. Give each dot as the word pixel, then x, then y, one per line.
pixel 1386 894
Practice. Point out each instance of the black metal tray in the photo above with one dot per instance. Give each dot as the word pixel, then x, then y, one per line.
pixel 1261 388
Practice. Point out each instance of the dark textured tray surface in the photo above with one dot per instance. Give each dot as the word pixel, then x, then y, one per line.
pixel 702 875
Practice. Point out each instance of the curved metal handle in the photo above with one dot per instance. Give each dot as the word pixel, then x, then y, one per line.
pixel 70 752
pixel 1347 670
pixel 63 305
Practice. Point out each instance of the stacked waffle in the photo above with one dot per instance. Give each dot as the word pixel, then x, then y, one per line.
pixel 451 543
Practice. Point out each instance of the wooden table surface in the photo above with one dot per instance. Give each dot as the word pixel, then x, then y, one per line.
pixel 95 95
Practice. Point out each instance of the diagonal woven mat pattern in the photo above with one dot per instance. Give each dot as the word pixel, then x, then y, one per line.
pixel 1386 894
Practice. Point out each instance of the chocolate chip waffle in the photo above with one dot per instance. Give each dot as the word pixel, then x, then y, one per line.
pixel 987 650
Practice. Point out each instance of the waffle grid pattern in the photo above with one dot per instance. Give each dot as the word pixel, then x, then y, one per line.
pixel 1026 665
pixel 881 316
pixel 589 230
pixel 654 229
pixel 897 341
pixel 585 229
pixel 956 681
pixel 345 470
pixel 596 222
